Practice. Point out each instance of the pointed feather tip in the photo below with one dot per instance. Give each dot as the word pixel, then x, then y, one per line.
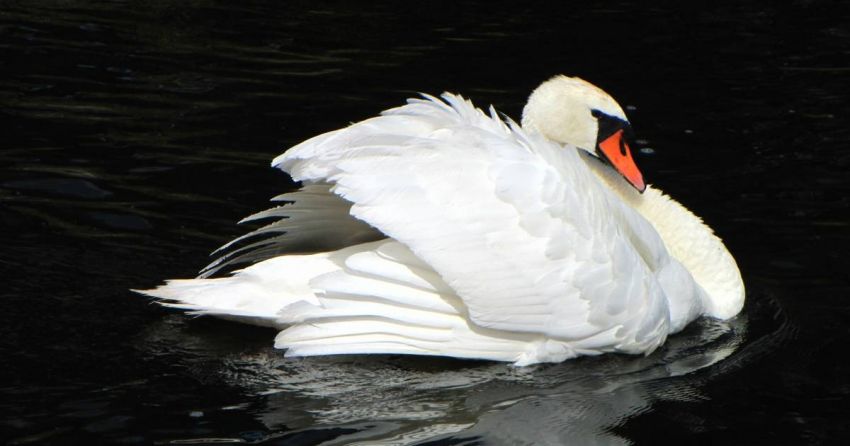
pixel 153 292
pixel 427 96
pixel 173 289
pixel 164 292
pixel 277 162
pixel 165 297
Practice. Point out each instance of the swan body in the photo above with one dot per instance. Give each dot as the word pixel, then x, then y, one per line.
pixel 448 231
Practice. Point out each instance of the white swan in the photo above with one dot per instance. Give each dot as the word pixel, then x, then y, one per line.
pixel 453 232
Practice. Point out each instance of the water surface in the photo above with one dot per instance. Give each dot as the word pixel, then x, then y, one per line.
pixel 135 136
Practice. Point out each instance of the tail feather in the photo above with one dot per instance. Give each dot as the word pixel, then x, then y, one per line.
pixel 384 300
pixel 254 295
pixel 230 298
pixel 376 297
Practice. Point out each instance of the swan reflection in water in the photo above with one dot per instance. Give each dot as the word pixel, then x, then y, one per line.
pixel 398 399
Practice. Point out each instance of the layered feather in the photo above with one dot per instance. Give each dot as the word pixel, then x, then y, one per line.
pixel 451 232
pixel 514 224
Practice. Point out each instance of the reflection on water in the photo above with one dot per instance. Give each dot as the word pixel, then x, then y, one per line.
pixel 397 399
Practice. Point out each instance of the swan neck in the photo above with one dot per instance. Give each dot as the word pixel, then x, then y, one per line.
pixel 687 239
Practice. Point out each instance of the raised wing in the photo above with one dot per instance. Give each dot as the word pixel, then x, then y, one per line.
pixel 515 224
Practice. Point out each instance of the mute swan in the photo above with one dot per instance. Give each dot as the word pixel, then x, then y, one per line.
pixel 448 231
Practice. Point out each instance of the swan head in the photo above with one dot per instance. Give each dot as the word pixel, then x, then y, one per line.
pixel 569 110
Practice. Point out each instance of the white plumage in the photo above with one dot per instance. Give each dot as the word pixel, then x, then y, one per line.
pixel 482 240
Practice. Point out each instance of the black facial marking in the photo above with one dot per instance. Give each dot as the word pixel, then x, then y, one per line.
pixel 608 125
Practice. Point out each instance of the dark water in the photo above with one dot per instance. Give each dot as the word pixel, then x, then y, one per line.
pixel 134 134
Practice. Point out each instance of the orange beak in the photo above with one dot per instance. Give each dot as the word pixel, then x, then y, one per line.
pixel 615 149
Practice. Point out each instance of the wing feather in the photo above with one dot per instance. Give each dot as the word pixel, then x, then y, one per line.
pixel 517 226
pixel 314 220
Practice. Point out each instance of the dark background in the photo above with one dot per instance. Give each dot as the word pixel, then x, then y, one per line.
pixel 133 135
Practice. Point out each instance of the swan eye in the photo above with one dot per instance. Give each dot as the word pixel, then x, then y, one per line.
pixel 595 113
